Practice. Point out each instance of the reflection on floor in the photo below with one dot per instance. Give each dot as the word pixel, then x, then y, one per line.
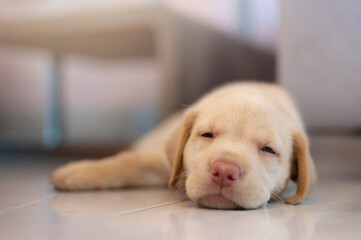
pixel 31 209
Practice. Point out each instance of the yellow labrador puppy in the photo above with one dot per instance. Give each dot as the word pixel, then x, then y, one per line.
pixel 235 148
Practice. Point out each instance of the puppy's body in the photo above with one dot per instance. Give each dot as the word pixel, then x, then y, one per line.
pixel 236 147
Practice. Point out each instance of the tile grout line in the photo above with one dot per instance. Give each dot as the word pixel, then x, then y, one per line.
pixel 110 216
pixel 25 204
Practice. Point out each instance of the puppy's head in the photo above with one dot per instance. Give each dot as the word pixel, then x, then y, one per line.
pixel 237 151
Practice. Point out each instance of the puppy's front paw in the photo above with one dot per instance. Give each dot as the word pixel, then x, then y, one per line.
pixel 83 175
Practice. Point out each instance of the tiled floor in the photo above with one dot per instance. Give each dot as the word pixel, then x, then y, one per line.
pixel 31 209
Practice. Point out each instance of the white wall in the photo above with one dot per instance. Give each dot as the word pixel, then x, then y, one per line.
pixel 320 60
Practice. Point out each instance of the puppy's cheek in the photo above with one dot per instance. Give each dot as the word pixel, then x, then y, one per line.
pixel 196 185
pixel 256 198
pixel 272 166
pixel 276 181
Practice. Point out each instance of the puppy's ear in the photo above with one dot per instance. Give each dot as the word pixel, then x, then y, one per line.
pixel 303 169
pixel 175 146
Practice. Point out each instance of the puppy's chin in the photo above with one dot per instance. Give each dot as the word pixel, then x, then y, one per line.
pixel 218 202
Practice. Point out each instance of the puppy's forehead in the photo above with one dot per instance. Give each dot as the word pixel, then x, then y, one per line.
pixel 237 109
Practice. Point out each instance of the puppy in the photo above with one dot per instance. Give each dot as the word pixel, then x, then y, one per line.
pixel 237 147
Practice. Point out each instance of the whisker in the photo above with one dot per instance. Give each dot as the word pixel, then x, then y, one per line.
pixel 180 188
pixel 277 198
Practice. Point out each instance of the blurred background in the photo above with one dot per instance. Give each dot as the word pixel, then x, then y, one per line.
pixel 91 76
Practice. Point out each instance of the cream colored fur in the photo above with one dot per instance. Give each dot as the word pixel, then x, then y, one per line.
pixel 244 118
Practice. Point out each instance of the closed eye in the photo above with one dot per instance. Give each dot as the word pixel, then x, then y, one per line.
pixel 207 135
pixel 268 150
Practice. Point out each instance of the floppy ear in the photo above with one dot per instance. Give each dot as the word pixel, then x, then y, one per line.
pixel 175 146
pixel 303 169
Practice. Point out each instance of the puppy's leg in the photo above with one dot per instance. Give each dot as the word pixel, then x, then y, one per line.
pixel 122 170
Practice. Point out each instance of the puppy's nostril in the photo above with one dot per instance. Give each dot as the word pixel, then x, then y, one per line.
pixel 216 174
pixel 230 177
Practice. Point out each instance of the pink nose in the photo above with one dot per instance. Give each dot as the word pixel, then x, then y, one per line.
pixel 224 174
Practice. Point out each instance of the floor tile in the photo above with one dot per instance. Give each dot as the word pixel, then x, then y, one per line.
pixel 31 209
